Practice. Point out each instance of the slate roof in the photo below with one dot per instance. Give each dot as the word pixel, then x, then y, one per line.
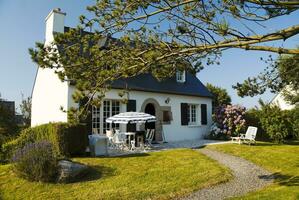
pixel 146 82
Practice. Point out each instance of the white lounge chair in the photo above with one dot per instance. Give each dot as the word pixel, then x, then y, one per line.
pixel 249 137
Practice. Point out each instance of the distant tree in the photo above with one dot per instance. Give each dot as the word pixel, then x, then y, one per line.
pixel 221 97
pixel 8 126
pixel 282 74
pixel 25 108
pixel 158 37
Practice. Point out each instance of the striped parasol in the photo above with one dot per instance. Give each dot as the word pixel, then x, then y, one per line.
pixel 131 117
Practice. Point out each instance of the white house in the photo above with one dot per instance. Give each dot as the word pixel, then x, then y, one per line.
pixel 182 104
pixel 280 101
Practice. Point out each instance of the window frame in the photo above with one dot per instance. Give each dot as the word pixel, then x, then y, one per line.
pixel 193 115
pixel 99 121
pixel 167 116
pixel 181 76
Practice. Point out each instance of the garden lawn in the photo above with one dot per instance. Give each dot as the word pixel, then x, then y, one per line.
pixel 158 175
pixel 282 160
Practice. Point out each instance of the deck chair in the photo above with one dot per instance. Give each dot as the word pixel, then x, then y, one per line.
pixel 149 137
pixel 248 137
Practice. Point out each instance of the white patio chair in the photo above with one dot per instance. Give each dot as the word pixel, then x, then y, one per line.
pixel 109 134
pixel 249 137
pixel 131 142
pixel 149 137
pixel 133 145
pixel 119 140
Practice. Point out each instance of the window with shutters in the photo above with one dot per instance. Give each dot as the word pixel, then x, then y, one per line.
pixel 99 116
pixel 192 114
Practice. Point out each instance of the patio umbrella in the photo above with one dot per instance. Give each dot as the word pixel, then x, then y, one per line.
pixel 131 117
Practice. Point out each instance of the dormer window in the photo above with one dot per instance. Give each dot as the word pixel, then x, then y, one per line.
pixel 181 76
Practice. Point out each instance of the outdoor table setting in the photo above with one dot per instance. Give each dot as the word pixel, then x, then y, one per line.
pixel 132 118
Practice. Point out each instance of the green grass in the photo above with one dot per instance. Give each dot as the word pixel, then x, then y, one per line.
pixel 159 175
pixel 282 160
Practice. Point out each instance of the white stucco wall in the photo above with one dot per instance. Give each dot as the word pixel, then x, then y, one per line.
pixel 48 95
pixel 54 23
pixel 173 131
pixel 281 102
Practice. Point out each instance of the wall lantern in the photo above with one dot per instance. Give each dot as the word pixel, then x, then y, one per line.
pixel 167 100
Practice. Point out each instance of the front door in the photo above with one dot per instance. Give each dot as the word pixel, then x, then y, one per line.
pixel 150 109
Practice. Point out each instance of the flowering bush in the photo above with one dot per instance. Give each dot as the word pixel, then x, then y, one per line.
pixel 229 120
pixel 215 133
pixel 36 162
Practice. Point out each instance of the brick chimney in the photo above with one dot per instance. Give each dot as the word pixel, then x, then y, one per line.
pixel 54 23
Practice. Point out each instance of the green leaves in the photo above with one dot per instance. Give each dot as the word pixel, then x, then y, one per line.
pixel 132 37
pixel 277 123
pixel 221 97
pixel 280 76
pixel 222 27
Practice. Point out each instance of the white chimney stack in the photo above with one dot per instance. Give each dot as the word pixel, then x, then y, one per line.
pixel 54 23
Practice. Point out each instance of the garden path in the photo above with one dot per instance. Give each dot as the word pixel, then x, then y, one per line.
pixel 247 177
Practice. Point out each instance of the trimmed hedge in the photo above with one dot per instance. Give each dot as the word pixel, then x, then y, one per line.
pixel 67 139
pixel 274 123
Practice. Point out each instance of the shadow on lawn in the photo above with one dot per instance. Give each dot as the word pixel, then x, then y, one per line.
pixel 199 147
pixel 130 155
pixel 95 173
pixel 281 179
pixel 292 142
pixel 288 142
pixel 259 143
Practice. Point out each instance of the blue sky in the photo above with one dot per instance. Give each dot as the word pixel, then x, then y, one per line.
pixel 22 23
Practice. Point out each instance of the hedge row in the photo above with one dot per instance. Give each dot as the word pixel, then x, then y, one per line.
pixel 273 123
pixel 67 139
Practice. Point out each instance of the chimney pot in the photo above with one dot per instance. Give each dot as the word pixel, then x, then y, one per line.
pixel 54 23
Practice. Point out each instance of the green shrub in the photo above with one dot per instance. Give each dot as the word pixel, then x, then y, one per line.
pixel 67 139
pixel 36 162
pixel 295 122
pixel 276 122
pixel 253 118
pixel 10 147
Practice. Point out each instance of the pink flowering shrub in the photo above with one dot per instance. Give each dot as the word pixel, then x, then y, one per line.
pixel 229 120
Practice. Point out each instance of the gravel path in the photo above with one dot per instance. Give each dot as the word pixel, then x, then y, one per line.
pixel 247 177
